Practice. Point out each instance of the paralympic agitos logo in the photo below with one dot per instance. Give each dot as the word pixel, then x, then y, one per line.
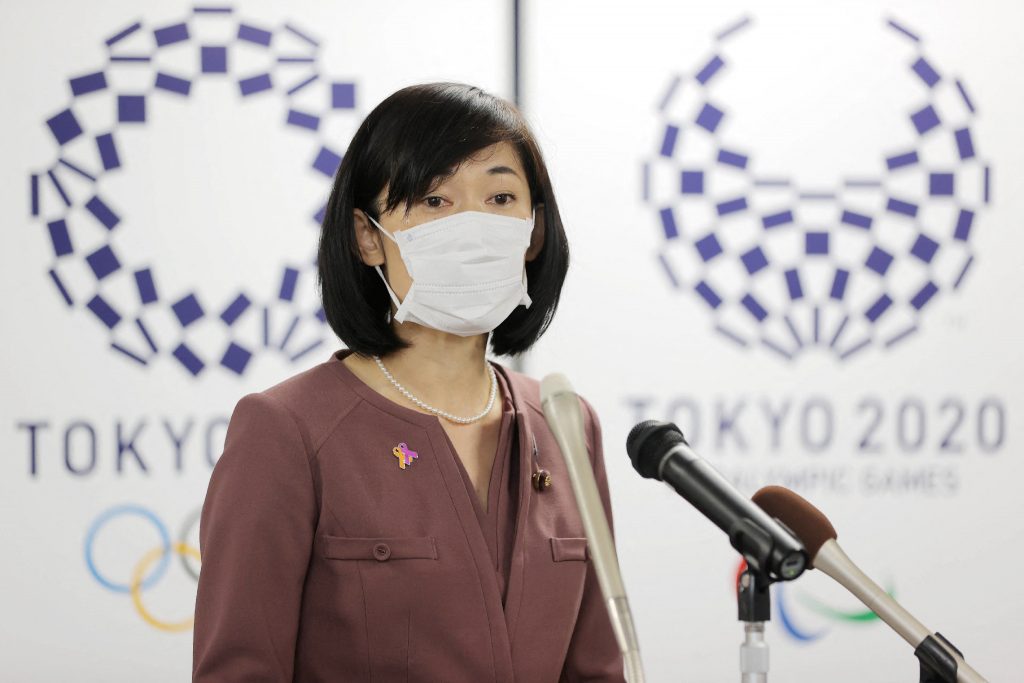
pixel 788 268
pixel 785 602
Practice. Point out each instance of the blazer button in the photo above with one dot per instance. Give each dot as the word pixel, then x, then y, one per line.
pixel 382 551
pixel 541 480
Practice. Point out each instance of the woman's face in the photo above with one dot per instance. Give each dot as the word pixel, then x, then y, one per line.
pixel 492 180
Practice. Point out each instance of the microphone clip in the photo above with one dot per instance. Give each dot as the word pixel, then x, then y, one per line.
pixel 754 602
pixel 937 664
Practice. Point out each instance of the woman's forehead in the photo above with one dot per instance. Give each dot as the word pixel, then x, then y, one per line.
pixel 497 159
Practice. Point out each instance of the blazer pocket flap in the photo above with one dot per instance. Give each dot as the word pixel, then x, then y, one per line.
pixel 569 548
pixel 379 548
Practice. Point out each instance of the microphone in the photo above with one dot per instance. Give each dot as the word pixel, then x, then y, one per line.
pixel 562 411
pixel 658 450
pixel 819 536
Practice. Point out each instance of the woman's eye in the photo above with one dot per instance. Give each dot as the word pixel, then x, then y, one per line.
pixel 434 202
pixel 504 198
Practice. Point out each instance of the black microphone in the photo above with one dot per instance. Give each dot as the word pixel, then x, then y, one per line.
pixel 659 451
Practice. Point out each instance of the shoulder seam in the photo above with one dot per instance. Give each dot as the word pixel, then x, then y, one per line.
pixel 307 456
pixel 337 423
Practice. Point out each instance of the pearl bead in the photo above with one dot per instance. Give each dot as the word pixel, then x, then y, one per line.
pixel 437 411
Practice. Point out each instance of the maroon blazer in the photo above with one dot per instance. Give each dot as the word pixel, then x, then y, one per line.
pixel 324 560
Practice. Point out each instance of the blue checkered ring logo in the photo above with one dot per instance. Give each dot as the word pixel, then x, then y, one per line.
pixel 787 268
pixel 149 312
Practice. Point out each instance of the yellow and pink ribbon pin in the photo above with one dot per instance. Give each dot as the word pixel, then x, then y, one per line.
pixel 404 455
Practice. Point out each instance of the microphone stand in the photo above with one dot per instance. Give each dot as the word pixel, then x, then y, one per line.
pixel 755 607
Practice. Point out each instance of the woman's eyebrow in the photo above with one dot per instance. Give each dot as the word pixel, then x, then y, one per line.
pixel 495 170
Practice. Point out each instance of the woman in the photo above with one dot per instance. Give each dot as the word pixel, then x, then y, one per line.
pixel 401 512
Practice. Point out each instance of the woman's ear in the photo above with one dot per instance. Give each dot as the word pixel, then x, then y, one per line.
pixel 368 239
pixel 537 236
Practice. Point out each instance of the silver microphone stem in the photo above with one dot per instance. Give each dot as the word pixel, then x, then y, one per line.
pixel 833 561
pixel 562 409
pixel 753 654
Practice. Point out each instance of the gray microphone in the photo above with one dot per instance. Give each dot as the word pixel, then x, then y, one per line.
pixel 564 417
pixel 819 537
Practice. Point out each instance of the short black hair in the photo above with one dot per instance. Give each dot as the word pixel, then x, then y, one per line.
pixel 414 137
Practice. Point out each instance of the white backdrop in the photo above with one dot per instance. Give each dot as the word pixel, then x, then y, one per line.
pixel 817 93
pixel 216 193
pixel 906 442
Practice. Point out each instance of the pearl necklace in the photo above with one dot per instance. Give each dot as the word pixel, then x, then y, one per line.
pixel 438 411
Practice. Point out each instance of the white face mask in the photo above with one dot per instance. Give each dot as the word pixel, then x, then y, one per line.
pixel 468 271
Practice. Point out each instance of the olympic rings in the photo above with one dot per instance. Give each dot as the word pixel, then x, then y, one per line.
pixel 152 566
pixel 113 512
pixel 186 529
pixel 183 550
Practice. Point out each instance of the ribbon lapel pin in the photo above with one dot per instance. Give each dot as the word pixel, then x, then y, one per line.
pixel 404 455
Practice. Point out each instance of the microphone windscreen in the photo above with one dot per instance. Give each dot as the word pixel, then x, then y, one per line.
pixel 648 441
pixel 809 523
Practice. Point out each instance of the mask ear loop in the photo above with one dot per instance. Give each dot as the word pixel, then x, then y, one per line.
pixel 401 312
pixel 526 300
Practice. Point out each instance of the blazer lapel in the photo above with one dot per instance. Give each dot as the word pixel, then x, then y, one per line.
pixel 502 621
pixel 500 643
pixel 525 458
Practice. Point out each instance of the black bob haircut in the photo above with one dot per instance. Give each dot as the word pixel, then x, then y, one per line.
pixel 416 136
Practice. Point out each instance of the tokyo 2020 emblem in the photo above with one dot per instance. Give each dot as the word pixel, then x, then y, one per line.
pixel 789 268
pixel 151 312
